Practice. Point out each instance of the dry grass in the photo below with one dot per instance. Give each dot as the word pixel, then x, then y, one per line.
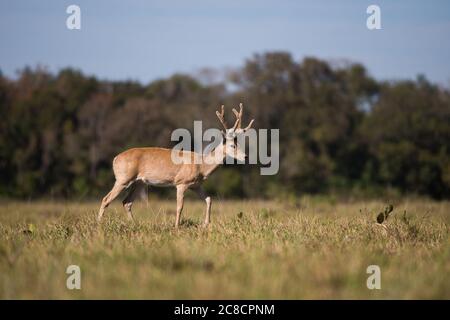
pixel 271 250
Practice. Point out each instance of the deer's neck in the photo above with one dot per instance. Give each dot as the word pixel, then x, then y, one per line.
pixel 212 160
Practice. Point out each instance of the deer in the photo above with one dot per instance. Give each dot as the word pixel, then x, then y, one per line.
pixel 154 166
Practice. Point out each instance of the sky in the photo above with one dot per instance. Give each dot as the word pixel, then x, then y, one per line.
pixel 146 40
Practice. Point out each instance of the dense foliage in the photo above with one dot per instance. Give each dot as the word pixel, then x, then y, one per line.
pixel 340 129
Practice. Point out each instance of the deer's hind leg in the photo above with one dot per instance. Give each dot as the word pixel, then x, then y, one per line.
pixel 135 190
pixel 115 191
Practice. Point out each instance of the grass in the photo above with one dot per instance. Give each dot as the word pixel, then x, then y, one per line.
pixel 252 250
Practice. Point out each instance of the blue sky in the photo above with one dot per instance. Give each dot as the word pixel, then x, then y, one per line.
pixel 145 40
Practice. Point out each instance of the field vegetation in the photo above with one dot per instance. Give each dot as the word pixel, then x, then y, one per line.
pixel 315 248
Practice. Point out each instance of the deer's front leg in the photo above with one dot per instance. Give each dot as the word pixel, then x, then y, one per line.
pixel 180 200
pixel 202 194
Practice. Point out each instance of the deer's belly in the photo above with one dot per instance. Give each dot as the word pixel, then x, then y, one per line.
pixel 156 182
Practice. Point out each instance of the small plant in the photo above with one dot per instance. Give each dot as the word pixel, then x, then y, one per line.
pixel 30 229
pixel 382 216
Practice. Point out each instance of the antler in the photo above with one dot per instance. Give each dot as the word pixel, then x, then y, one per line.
pixel 238 114
pixel 221 117
pixel 239 117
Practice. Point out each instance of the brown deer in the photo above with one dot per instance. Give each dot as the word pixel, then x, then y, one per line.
pixel 155 167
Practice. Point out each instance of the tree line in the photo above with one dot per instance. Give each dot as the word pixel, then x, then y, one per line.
pixel 341 130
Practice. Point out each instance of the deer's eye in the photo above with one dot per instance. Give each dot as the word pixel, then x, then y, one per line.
pixel 233 146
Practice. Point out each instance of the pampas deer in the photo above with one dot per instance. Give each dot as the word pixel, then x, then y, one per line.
pixel 155 167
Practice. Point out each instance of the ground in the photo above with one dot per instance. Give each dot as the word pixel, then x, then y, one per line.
pixel 253 250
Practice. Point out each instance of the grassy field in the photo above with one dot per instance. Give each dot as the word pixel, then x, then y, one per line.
pixel 253 249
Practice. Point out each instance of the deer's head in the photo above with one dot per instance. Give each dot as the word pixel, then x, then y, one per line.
pixel 231 146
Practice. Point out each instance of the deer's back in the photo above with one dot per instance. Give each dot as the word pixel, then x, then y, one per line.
pixel 151 165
